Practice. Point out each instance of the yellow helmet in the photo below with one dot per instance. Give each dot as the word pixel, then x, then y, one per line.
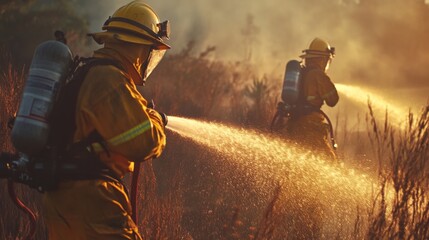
pixel 137 23
pixel 318 48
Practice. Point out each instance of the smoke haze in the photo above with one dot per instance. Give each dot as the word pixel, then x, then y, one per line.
pixel 381 44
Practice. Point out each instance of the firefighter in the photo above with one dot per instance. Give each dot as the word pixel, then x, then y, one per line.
pixel 308 125
pixel 109 105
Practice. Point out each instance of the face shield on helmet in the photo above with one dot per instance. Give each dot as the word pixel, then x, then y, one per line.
pixel 328 64
pixel 155 56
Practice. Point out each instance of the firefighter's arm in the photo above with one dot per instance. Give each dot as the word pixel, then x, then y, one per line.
pixel 128 126
pixel 158 123
pixel 327 90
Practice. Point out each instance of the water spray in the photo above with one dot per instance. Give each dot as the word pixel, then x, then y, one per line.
pixel 262 157
pixel 363 96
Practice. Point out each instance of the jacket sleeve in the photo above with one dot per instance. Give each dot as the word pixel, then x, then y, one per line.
pixel 119 113
pixel 327 90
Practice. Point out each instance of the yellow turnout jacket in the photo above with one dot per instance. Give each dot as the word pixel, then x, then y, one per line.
pixel 318 88
pixel 109 103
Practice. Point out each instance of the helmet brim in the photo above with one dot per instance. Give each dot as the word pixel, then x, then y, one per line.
pixel 308 53
pixel 102 37
pixel 311 55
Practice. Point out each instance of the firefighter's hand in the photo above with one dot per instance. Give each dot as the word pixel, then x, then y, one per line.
pixel 164 117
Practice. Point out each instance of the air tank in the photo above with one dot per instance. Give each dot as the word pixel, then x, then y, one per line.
pixel 48 72
pixel 290 91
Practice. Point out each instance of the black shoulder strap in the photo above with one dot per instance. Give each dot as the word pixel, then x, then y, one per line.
pixel 62 120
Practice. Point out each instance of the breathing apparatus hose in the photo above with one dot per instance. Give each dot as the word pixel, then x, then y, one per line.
pixel 134 188
pixel 280 113
pixel 24 208
pixel 274 121
pixel 331 129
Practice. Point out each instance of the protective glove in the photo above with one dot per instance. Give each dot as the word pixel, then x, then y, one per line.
pixel 164 117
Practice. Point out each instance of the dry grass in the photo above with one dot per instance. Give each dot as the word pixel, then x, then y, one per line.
pixel 401 207
pixel 13 223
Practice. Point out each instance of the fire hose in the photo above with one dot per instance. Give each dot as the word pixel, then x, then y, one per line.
pixel 134 192
pixel 331 130
pixel 6 171
pixel 136 173
pixel 24 208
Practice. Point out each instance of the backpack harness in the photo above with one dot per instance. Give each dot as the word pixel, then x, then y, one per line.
pixel 61 159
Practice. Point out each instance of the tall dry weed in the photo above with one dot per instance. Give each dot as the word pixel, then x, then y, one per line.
pixel 401 207
pixel 160 214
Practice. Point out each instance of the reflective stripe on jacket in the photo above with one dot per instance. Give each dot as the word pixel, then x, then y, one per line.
pixel 110 103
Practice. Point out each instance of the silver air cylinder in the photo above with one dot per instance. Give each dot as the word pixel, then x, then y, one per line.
pixel 48 72
pixel 291 86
